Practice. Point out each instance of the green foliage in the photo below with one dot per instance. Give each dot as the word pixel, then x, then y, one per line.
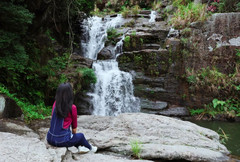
pixel 196 111
pixel 238 6
pixel 212 80
pixel 30 111
pixel 127 41
pixel 177 3
pixel 231 106
pixel 87 76
pixel 135 10
pixel 14 24
pixel 224 6
pixel 57 64
pixel 112 36
pixel 136 148
pixel 185 15
pixel 223 136
pixel 156 5
pixel 126 12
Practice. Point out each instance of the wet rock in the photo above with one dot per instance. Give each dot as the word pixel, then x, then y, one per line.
pixel 105 54
pixel 84 104
pixel 176 112
pixel 151 62
pixel 81 62
pixel 152 107
pixel 151 46
pixel 9 108
pixel 161 137
pixel 173 33
pixel 173 44
pixel 140 78
pixel 146 12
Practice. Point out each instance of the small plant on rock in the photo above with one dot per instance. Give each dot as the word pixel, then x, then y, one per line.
pixel 223 136
pixel 136 148
pixel 136 10
pixel 127 41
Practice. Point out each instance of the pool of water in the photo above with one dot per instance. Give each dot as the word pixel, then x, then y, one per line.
pixel 232 129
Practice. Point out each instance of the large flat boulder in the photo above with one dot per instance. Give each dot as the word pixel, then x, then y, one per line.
pixel 161 137
pixel 20 148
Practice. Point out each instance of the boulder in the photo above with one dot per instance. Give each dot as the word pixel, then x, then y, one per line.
pixel 9 108
pixel 83 103
pixel 17 127
pixel 20 148
pixel 160 137
pixel 105 54
pixel 80 62
pixel 102 157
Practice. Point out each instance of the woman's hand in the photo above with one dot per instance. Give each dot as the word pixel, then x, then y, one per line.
pixel 74 131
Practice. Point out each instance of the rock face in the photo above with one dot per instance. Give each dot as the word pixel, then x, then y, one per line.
pixel 161 137
pixel 213 44
pixel 159 57
pixel 9 108
pixel 153 58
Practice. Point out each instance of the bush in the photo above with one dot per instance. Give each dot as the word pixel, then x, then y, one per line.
pixel 185 15
pixel 88 76
pixel 112 36
pixel 224 6
pixel 127 41
pixel 30 111
pixel 126 12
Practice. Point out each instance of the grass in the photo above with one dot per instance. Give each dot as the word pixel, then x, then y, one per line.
pixel 185 15
pixel 136 147
pixel 223 136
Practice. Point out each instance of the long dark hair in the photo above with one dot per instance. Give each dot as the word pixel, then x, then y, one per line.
pixel 64 100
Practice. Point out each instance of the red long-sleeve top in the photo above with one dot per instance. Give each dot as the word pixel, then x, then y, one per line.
pixel 71 119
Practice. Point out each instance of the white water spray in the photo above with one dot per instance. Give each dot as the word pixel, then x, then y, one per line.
pixel 96 34
pixel 153 16
pixel 113 92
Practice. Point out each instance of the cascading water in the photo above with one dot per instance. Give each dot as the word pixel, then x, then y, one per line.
pixel 152 16
pixel 113 92
pixel 95 34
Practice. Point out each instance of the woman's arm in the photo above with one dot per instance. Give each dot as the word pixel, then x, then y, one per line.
pixel 74 131
pixel 74 119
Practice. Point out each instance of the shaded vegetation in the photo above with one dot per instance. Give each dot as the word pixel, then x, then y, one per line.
pixel 36 42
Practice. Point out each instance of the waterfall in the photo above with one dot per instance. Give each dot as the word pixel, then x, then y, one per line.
pixel 152 16
pixel 96 33
pixel 113 92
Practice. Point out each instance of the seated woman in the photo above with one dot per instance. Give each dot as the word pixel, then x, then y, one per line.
pixel 64 115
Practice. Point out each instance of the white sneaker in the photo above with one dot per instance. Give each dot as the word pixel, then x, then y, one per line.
pixel 94 149
pixel 83 150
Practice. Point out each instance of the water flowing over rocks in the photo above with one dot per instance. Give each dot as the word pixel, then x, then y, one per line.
pixel 160 137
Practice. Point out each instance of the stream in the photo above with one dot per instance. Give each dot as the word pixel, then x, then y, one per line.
pixel 232 129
